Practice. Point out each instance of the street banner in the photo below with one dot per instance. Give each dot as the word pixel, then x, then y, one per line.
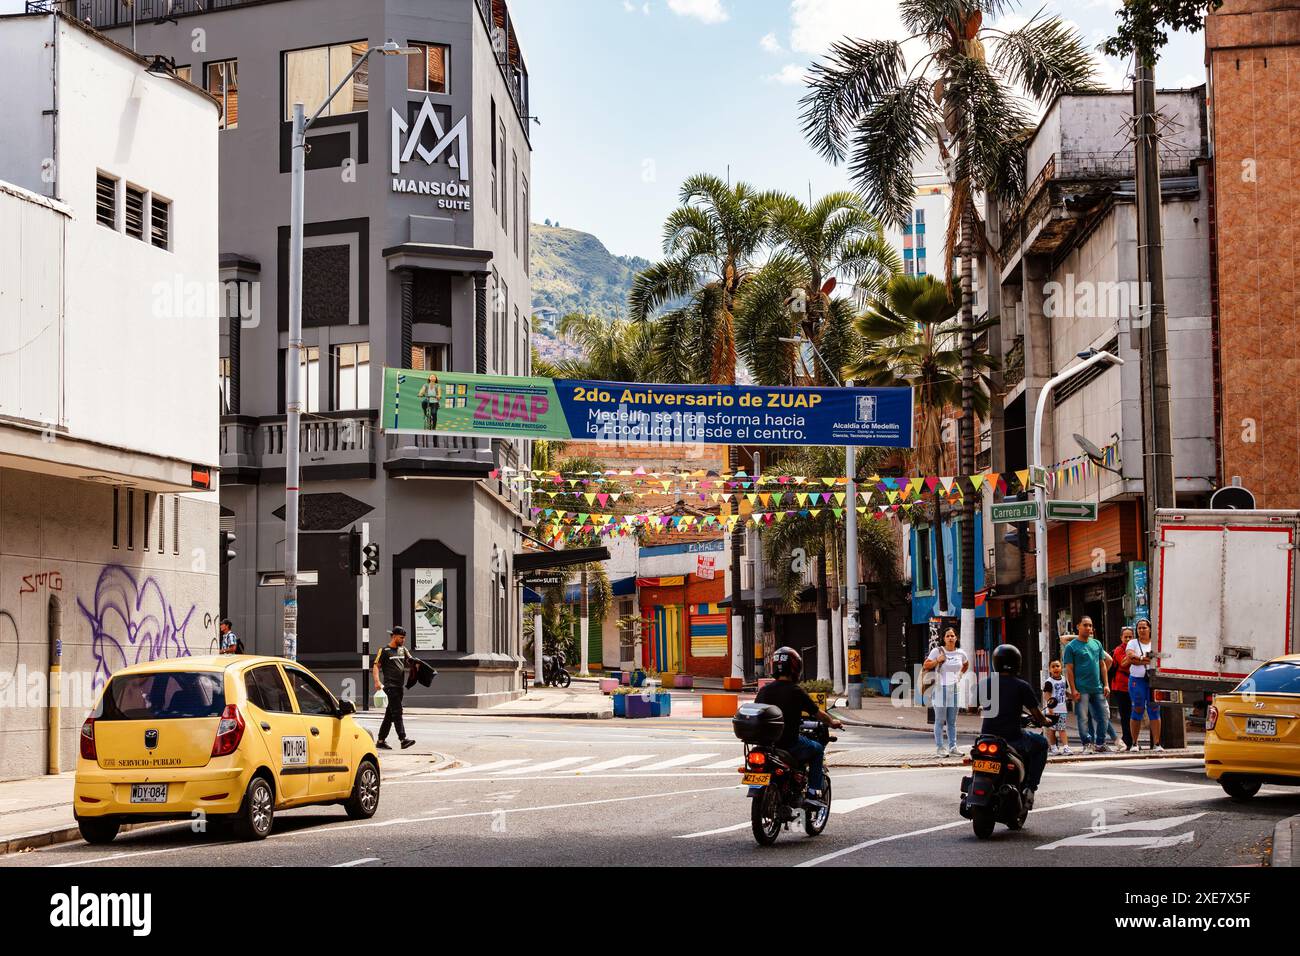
pixel 456 403
pixel 704 566
pixel 430 606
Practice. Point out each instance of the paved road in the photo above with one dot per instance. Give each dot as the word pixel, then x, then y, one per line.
pixel 613 792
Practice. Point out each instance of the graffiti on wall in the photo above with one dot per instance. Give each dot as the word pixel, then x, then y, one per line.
pixel 133 621
pixel 51 579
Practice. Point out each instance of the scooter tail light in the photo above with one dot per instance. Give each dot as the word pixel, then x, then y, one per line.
pixel 757 758
pixel 993 748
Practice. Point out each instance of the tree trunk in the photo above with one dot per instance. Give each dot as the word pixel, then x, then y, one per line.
pixel 967 457
pixel 584 630
pixel 941 571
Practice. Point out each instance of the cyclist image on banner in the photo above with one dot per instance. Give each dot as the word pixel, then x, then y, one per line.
pixel 430 402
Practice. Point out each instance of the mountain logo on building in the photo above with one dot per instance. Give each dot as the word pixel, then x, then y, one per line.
pixel 453 142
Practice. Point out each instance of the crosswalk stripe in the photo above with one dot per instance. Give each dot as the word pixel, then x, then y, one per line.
pixel 730 762
pixel 548 765
pixel 495 765
pixel 675 762
pixel 703 833
pixel 857 803
pixel 616 762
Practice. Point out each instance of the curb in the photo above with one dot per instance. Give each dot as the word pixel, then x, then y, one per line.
pixel 1284 842
pixel 442 763
pixel 580 715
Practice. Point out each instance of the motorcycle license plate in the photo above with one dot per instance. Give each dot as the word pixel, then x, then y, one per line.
pixel 1262 726
pixel 987 766
pixel 756 779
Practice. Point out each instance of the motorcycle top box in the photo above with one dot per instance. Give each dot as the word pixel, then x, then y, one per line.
pixel 758 724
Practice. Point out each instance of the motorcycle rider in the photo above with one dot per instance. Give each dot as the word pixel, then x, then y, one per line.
pixel 1007 696
pixel 793 701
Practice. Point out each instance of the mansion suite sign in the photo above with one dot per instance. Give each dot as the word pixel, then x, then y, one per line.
pixel 429 139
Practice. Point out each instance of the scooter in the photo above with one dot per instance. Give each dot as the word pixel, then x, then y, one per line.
pixel 778 783
pixel 553 672
pixel 995 792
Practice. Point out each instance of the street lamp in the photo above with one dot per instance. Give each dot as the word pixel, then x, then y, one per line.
pixel 293 408
pixel 853 675
pixel 1090 358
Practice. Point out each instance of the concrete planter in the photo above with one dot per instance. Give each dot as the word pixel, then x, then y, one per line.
pixel 732 683
pixel 662 705
pixel 607 685
pixel 625 678
pixel 683 681
pixel 637 706
pixel 620 705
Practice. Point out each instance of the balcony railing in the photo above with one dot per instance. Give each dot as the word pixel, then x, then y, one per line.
pixel 331 439
pixel 239 442
pixel 107 14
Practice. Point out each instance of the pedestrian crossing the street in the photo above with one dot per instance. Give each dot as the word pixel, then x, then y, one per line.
pixel 592 764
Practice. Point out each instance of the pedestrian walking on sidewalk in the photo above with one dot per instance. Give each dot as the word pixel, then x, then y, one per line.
pixel 1085 671
pixel 1055 692
pixel 1119 685
pixel 951 663
pixel 390 674
pixel 1139 687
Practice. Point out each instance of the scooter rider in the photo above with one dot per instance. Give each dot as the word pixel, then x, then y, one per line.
pixel 786 694
pixel 1007 697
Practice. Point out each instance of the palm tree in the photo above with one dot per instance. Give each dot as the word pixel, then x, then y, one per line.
pixel 867 106
pixel 613 350
pixel 910 336
pixel 837 238
pixel 788 544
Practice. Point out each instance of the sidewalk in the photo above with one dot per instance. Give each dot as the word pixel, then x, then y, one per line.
pixel 579 702
pixel 37 811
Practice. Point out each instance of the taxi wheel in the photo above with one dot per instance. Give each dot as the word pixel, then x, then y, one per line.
pixel 365 792
pixel 1240 790
pixel 98 831
pixel 257 812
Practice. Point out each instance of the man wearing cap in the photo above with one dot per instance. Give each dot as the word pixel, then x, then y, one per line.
pixel 390 674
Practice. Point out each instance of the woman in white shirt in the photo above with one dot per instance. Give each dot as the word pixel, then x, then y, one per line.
pixel 951 663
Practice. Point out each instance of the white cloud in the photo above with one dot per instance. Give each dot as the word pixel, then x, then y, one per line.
pixel 816 24
pixel 792 74
pixel 630 7
pixel 706 11
pixel 771 44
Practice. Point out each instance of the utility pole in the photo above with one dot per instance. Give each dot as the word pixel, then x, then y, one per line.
pixel 1157 433
pixel 852 633
pixel 757 567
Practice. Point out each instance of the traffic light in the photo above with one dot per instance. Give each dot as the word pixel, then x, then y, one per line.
pixel 370 559
pixel 228 552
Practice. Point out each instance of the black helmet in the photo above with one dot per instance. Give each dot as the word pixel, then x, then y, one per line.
pixel 786 662
pixel 1006 659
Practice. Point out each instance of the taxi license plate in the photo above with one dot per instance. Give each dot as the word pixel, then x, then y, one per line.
pixel 148 793
pixel 987 766
pixel 756 779
pixel 1262 726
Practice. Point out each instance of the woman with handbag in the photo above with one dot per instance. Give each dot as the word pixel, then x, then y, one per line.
pixel 949 663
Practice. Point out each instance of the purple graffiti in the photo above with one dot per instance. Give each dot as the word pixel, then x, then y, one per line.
pixel 132 622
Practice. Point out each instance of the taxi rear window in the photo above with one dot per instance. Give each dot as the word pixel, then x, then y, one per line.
pixel 1280 677
pixel 167 695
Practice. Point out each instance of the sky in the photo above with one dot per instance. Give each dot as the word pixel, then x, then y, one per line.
pixel 633 96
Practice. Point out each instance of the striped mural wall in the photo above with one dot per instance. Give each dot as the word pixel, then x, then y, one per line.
pixel 708 630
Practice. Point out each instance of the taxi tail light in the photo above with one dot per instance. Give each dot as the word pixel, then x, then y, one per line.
pixel 88 739
pixel 1211 717
pixel 230 731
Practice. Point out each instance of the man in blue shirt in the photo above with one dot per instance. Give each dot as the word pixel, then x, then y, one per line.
pixel 1086 673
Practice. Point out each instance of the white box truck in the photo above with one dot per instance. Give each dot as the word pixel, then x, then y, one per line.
pixel 1225 586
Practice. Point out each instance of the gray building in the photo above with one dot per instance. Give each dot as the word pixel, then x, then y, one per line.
pixel 417 211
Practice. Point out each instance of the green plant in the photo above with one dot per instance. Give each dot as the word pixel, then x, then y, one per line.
pixel 811 687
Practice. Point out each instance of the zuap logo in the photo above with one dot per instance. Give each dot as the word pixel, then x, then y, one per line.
pixel 75 909
pixel 452 143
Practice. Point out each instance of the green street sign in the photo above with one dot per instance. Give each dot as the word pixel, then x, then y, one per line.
pixel 1015 511
pixel 1072 511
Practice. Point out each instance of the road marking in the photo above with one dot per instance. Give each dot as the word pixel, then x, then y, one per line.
pixel 857 803
pixel 704 833
pixel 675 762
pixel 548 765
pixel 733 762
pixel 481 768
pixel 364 859
pixel 1126 778
pixel 616 762
pixel 961 823
pixel 1100 835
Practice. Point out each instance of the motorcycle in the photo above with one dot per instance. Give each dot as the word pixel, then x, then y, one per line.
pixel 995 792
pixel 553 672
pixel 778 783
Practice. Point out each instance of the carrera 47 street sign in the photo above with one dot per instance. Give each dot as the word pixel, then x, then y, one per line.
pixel 454 403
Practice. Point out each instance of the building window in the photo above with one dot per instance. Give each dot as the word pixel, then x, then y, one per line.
pixel 176 524
pixel 514 191
pixel 924 578
pixel 160 213
pixel 106 201
pixel 223 85
pixel 517 368
pixel 494 157
pixel 505 201
pixel 224 384
pixel 501 310
pixel 117 520
pixel 130 520
pixel 148 517
pixel 185 73
pixel 908 268
pixel 308 378
pixel 527 230
pixel 920 220
pixel 350 368
pixel 430 358
pixel 310 75
pixel 430 72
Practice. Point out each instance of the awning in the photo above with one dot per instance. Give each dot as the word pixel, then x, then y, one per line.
pixel 540 560
pixel 624 587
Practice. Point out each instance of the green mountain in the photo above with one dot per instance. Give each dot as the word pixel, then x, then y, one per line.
pixel 573 272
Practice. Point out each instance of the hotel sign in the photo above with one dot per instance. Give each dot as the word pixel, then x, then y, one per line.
pixel 430 139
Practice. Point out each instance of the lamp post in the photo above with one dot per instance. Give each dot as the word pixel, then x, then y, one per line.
pixel 293 410
pixel 853 663
pixel 1090 358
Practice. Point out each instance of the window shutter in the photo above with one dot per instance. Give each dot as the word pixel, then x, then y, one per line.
pixel 160 214
pixel 135 212
pixel 106 200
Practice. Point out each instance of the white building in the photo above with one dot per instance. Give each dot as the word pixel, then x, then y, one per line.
pixel 108 335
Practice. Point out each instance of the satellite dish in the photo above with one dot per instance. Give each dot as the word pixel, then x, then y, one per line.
pixel 1089 449
pixel 1232 498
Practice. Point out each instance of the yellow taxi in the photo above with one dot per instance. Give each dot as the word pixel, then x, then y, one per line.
pixel 1252 735
pixel 229 739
